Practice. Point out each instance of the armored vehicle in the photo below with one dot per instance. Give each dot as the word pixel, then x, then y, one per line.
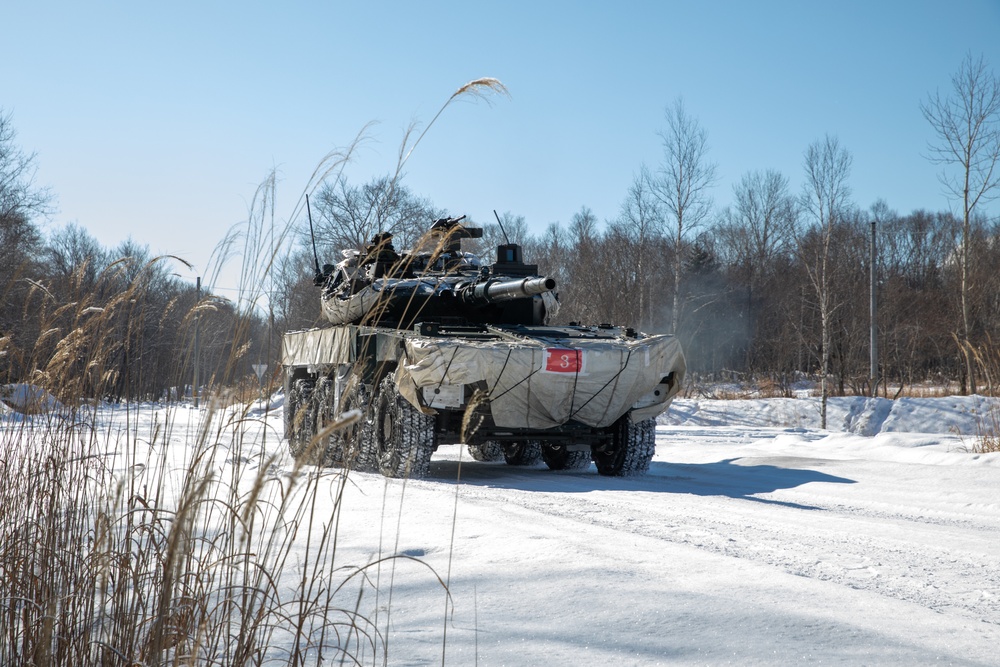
pixel 431 346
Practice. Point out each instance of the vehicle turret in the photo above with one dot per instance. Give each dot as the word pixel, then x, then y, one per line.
pixel 436 282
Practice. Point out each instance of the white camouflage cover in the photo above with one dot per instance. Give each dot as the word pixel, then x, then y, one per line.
pixel 318 347
pixel 541 383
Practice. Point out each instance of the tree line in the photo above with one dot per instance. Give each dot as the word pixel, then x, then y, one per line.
pixel 749 300
pixel 772 286
pixel 114 323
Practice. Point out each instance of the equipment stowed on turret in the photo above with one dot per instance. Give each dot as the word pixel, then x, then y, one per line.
pixel 432 347
pixel 439 283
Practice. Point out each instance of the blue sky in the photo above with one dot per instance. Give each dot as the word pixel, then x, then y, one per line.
pixel 158 120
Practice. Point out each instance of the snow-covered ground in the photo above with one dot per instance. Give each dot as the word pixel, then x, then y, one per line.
pixel 755 539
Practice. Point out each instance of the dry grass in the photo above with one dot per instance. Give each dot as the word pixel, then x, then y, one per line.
pixel 988 435
pixel 113 552
pixel 939 389
pixel 778 387
pixel 729 386
pixel 987 359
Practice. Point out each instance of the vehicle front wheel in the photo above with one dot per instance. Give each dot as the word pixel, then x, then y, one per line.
pixel 631 449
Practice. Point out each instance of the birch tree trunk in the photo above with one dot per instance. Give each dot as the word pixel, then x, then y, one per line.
pixel 967 126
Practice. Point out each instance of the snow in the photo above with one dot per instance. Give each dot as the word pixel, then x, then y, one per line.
pixel 755 539
pixel 26 398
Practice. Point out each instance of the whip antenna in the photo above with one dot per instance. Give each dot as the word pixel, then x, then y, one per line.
pixel 312 235
pixel 501 227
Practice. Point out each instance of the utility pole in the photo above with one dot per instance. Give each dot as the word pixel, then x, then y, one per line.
pixel 874 318
pixel 197 318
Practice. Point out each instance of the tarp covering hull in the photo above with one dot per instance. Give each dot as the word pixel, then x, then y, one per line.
pixel 538 384
pixel 319 347
pixel 396 296
pixel 338 309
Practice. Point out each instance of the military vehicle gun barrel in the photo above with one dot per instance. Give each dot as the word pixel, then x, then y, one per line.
pixel 495 291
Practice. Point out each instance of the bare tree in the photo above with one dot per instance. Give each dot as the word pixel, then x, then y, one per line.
pixel 760 226
pixel 295 300
pixel 917 309
pixel 348 216
pixel 584 264
pixel 74 255
pixel 641 221
pixel 551 252
pixel 757 231
pixel 511 229
pixel 681 185
pixel 826 197
pixel 967 125
pixel 21 202
pixel 19 197
pixel 345 216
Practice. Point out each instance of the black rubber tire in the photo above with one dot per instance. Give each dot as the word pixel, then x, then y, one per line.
pixel 315 411
pixel 490 450
pixel 289 407
pixel 522 453
pixel 328 451
pixel 299 416
pixel 631 451
pixel 403 436
pixel 341 447
pixel 366 458
pixel 352 438
pixel 557 457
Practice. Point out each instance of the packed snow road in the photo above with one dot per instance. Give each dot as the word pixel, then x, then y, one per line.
pixel 743 545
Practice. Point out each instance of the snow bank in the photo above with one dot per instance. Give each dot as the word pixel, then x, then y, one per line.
pixel 28 399
pixel 270 404
pixel 953 415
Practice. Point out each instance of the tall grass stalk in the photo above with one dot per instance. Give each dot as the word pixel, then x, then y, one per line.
pixel 122 546
pixel 161 535
pixel 987 361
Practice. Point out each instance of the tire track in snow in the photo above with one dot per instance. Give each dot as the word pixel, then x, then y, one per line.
pixel 942 564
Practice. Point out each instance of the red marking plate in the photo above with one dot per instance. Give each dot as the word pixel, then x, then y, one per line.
pixel 563 360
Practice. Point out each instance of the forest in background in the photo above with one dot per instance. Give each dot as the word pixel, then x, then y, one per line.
pixel 770 288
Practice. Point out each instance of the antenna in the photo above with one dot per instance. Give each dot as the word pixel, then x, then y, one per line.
pixel 501 227
pixel 312 235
